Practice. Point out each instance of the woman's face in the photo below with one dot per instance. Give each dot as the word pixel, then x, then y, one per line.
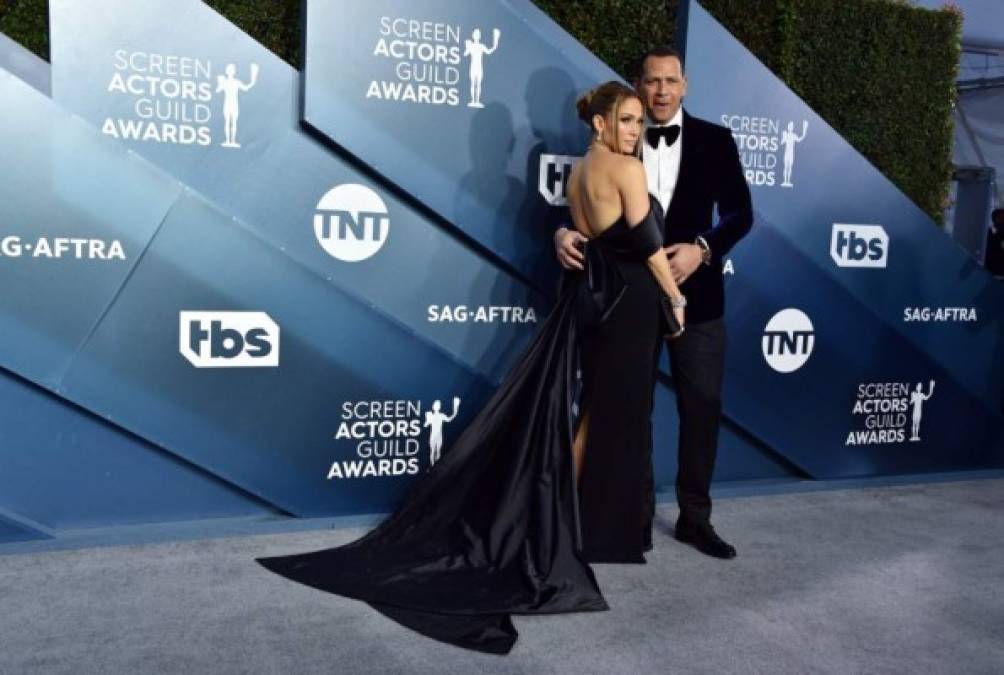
pixel 630 119
pixel 622 134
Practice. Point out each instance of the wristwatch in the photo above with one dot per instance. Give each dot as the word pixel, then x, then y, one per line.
pixel 705 250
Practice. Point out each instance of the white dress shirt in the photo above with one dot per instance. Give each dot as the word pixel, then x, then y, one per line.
pixel 662 164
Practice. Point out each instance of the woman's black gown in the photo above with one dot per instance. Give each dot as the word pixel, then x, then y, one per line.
pixel 494 528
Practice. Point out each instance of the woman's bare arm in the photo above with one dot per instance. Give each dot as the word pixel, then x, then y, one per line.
pixel 634 193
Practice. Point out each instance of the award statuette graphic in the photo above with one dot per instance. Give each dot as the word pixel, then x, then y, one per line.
pixel 435 420
pixel 917 400
pixel 231 87
pixel 477 50
pixel 788 139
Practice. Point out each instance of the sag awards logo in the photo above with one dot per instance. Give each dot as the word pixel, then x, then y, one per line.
pixel 388 437
pixel 177 99
pixel 765 146
pixel 228 339
pixel 76 248
pixel 891 412
pixel 428 58
pixel 481 314
pixel 351 222
pixel 788 340
pixel 859 245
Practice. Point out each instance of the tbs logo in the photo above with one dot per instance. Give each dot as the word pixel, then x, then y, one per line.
pixel 859 245
pixel 229 339
pixel 552 180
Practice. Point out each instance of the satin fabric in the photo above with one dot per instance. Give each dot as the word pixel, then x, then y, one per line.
pixel 619 357
pixel 493 528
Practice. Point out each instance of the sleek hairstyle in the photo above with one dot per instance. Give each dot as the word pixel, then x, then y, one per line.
pixel 661 51
pixel 605 101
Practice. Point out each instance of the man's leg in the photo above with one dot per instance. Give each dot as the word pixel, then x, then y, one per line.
pixel 697 363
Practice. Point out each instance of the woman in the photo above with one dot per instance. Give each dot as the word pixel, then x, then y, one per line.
pixel 607 190
pixel 493 529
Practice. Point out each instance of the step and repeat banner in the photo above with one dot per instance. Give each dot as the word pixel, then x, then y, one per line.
pixel 140 301
pixel 467 106
pixel 208 274
pixel 862 339
pixel 303 285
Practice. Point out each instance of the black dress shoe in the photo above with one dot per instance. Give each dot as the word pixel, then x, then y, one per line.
pixel 704 538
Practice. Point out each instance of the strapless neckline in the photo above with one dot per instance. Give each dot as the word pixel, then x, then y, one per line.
pixel 620 222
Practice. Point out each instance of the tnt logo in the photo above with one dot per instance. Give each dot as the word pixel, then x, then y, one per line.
pixel 351 222
pixel 553 179
pixel 228 339
pixel 788 339
pixel 859 245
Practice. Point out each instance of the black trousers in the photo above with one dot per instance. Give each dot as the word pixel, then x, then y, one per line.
pixel 697 361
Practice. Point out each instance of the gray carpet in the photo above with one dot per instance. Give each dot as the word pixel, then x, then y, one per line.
pixel 903 579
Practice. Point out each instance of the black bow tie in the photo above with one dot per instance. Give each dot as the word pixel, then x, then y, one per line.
pixel 670 133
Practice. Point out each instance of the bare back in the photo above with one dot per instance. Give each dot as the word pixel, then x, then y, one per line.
pixel 603 187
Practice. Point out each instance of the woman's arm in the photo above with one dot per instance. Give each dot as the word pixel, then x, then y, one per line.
pixel 634 194
pixel 658 265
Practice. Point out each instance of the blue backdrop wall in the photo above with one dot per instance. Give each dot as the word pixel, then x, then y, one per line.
pixel 241 290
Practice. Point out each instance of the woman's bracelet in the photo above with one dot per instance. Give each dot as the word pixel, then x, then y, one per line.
pixel 678 303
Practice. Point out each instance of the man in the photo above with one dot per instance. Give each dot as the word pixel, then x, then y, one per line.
pixel 995 244
pixel 692 167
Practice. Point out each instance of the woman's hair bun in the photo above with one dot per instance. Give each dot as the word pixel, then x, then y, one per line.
pixel 602 100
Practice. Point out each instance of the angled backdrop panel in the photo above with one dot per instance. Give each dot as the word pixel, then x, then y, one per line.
pixel 66 469
pixel 892 362
pixel 423 276
pixel 455 102
pixel 137 361
pixel 285 304
pixel 165 78
pixel 69 240
pixel 22 63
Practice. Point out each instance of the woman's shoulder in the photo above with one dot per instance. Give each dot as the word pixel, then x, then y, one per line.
pixel 628 171
pixel 626 165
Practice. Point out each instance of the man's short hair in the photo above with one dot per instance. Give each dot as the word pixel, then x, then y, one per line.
pixel 657 52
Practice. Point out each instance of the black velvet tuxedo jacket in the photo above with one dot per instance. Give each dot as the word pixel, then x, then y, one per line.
pixel 710 175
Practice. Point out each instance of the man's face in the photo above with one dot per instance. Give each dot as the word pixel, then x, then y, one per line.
pixel 662 87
